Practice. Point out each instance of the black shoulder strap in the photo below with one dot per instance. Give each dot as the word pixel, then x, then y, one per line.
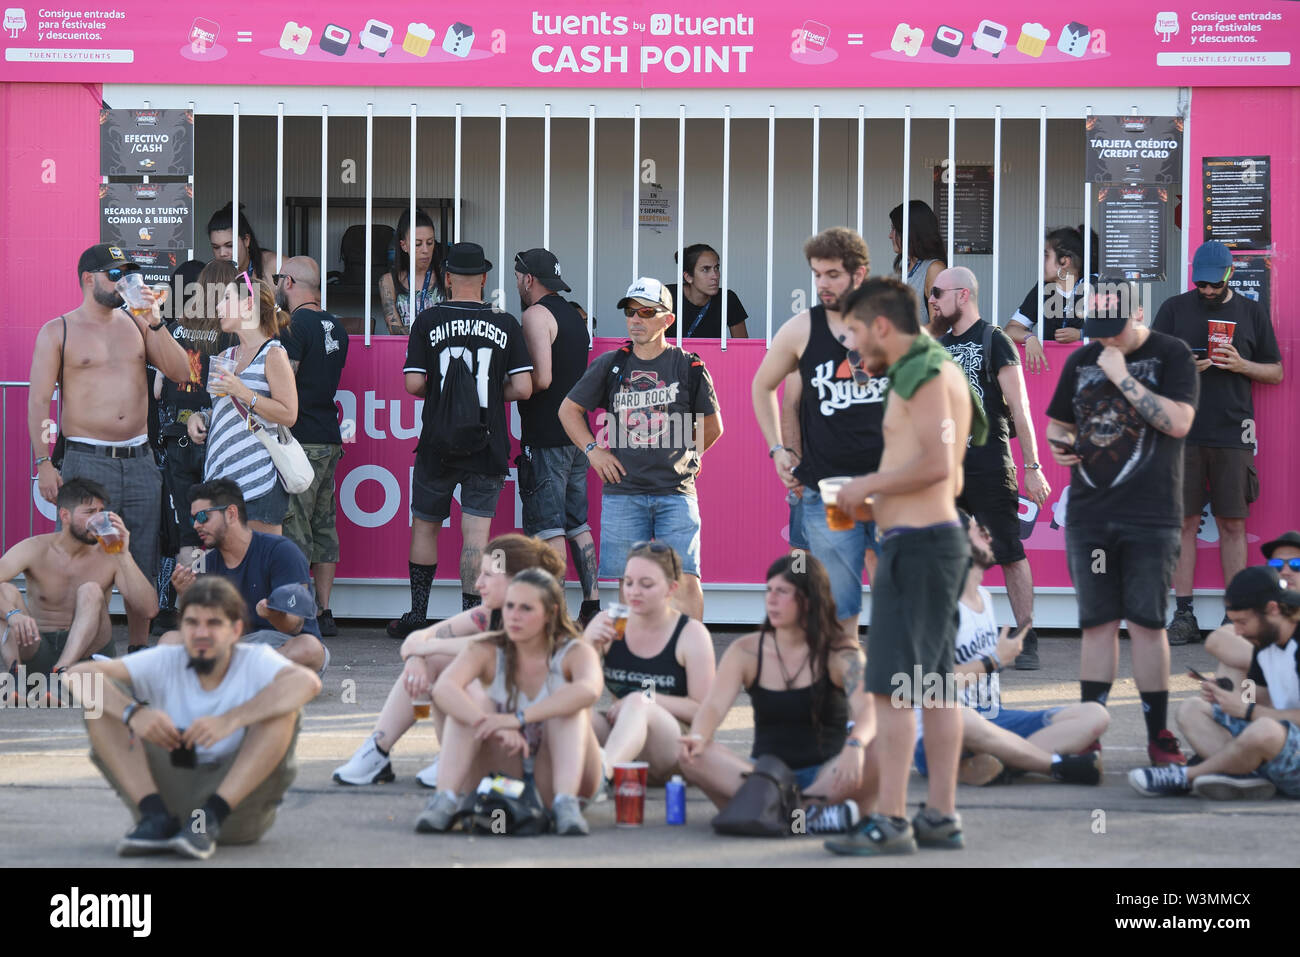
pixel 694 376
pixel 64 348
pixel 683 620
pixel 617 369
pixel 988 353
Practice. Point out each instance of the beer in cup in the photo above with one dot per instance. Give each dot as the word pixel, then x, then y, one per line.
pixel 829 488
pixel 135 294
pixel 101 526
pixel 618 613
pixel 422 707
pixel 216 366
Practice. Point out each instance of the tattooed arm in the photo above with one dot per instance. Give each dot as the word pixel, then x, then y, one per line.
pixel 388 298
pixel 850 664
pixel 1170 417
pixel 448 637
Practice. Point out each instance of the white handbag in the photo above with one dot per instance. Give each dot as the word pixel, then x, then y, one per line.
pixel 287 453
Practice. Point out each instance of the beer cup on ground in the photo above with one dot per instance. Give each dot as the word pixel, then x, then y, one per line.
pixel 829 488
pixel 629 793
pixel 618 613
pixel 101 526
pixel 216 366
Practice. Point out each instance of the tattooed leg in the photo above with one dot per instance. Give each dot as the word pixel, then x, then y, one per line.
pixel 583 549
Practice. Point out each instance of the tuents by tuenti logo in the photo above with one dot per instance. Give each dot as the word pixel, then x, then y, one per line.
pixel 77 910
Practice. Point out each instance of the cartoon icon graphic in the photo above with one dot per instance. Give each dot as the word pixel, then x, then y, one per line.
pixel 815 35
pixel 295 38
pixel 947 40
pixel 145 235
pixel 418 38
pixel 1033 39
pixel 203 34
pixel 15 21
pixel 990 37
pixel 335 39
pixel 1074 39
pixel 377 36
pixel 907 39
pixel 458 39
pixel 148 163
pixel 1167 25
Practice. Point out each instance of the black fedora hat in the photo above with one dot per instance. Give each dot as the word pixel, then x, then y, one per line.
pixel 466 259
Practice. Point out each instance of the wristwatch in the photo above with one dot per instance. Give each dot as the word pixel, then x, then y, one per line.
pixel 590 447
pixel 771 453
pixel 40 461
pixel 155 328
pixel 520 715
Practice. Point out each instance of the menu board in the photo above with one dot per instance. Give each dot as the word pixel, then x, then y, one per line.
pixel 1132 230
pixel 147 215
pixel 1236 200
pixel 973 208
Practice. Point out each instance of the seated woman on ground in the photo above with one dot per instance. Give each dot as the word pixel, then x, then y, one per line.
pixel 801 675
pixel 541 682
pixel 428 651
pixel 658 670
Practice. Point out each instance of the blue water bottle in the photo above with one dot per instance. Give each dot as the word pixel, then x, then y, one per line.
pixel 675 792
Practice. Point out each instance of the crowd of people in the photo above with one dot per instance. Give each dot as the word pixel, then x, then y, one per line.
pixel 889 408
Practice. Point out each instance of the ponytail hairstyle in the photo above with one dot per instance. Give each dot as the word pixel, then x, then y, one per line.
pixel 221 220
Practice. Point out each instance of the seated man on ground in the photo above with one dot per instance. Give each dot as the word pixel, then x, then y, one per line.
pixel 218 718
pixel 999 741
pixel 259 565
pixel 68 574
pixel 1248 736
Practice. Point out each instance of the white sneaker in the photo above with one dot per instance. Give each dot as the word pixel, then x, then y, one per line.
pixel 429 776
pixel 366 766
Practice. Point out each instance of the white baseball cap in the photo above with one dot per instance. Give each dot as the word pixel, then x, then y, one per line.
pixel 648 292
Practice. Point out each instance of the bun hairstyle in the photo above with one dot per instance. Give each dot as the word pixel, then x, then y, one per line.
pixel 221 219
pixel 519 552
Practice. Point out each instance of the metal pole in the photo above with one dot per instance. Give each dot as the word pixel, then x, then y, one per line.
pixel 279 186
pixel 816 183
pixel 681 216
pixel 1042 208
pixel 324 200
pixel 726 213
pixel 591 219
pixel 546 180
pixel 501 204
pixel 862 129
pixel 459 114
pixel 636 195
pixel 370 198
pixel 952 182
pixel 997 208
pixel 410 230
pixel 771 189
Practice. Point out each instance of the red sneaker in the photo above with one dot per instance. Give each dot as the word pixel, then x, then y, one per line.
pixel 1164 749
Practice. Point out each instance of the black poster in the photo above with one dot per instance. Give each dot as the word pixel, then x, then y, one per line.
pixel 1132 231
pixel 1134 149
pixel 1237 200
pixel 1252 277
pixel 973 201
pixel 146 143
pixel 157 265
pixel 147 215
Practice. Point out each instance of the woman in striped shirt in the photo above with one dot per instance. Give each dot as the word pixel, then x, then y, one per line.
pixel 263 383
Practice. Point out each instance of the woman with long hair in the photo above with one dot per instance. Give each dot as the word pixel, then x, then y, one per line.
pixel 541 682
pixel 251 255
pixel 658 670
pixel 925 251
pixel 802 675
pixel 263 383
pixel 395 285
pixel 699 304
pixel 1064 289
pixel 428 651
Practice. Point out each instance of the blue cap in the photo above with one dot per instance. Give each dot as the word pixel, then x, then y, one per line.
pixel 1211 262
pixel 292 600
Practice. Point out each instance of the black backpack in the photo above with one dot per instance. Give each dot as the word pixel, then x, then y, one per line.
pixel 458 426
pixel 987 372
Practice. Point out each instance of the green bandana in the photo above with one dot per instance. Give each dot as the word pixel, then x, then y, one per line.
pixel 919 365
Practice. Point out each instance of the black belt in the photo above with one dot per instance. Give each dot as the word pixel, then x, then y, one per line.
pixel 110 451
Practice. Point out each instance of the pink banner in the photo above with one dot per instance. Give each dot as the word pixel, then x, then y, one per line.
pixel 651 45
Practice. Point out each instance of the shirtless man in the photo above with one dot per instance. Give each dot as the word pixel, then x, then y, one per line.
pixel 100 352
pixel 924 556
pixel 68 575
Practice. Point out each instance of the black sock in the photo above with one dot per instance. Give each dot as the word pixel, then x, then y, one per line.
pixel 1155 709
pixel 589 607
pixel 421 582
pixel 153 804
pixel 469 600
pixel 1184 602
pixel 217 808
pixel 1097 691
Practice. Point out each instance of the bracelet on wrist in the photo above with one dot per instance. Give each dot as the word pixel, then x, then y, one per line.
pixel 11 614
pixel 41 461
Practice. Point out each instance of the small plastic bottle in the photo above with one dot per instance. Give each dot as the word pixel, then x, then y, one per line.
pixel 675 793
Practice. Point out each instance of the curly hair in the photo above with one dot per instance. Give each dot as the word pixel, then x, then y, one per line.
pixel 838 242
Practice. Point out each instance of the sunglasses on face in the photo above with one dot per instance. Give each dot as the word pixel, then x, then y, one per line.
pixel 202 515
pixel 1211 285
pixel 114 273
pixel 277 277
pixel 937 293
pixel 645 312
pixel 1291 563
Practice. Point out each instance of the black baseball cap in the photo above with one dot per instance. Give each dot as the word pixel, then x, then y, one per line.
pixel 542 265
pixel 1255 587
pixel 1291 538
pixel 104 256
pixel 1113 303
pixel 466 259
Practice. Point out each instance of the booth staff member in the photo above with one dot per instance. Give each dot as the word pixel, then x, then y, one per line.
pixel 700 305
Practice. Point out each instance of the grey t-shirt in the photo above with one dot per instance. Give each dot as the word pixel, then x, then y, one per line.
pixel 650 418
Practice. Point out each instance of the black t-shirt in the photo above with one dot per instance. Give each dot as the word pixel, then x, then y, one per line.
pixel 1062 311
pixel 271 561
pixel 318 342
pixel 492 345
pixel 710 325
pixel 1225 396
pixel 191 395
pixel 968 349
pixel 1131 472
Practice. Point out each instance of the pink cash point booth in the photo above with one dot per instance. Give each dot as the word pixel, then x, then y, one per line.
pixel 617 135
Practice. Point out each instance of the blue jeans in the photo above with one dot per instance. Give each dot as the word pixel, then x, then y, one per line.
pixel 553 489
pixel 843 553
pixel 628 519
pixel 1283 770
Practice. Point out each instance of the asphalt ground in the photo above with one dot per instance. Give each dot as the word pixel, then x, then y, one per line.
pixel 56 811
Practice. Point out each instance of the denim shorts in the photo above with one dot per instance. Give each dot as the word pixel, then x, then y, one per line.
pixel 271 508
pixel 553 488
pixel 628 519
pixel 843 553
pixel 1023 723
pixel 1283 770
pixel 431 494
pixel 1121 571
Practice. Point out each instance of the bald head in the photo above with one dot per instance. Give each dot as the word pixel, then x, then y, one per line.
pixel 954 301
pixel 299 283
pixel 959 277
pixel 304 271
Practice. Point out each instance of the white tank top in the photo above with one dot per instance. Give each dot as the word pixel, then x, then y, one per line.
pixel 497 693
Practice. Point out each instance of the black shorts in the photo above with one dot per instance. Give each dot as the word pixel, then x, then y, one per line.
pixel 914 617
pixel 993 498
pixel 1226 478
pixel 431 494
pixel 1121 571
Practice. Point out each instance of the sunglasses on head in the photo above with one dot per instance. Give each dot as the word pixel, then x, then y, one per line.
pixel 1292 563
pixel 1211 285
pixel 114 273
pixel 645 312
pixel 859 368
pixel 249 283
pixel 654 548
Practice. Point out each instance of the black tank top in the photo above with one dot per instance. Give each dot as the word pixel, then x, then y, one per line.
pixel 625 672
pixel 783 720
pixel 539 417
pixel 839 420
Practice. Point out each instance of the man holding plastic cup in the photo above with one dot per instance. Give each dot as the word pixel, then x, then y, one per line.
pixel 97 354
pixel 1234 346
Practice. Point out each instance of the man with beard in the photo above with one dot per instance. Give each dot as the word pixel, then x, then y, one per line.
pixel 1249 744
pixel 1219 456
pixel 991 492
pixel 218 718
pixel 837 407
pixel 97 355
pixel 1122 406
pixel 68 575
pixel 317 345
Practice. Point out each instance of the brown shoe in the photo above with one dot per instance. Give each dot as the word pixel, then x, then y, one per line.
pixel 979 770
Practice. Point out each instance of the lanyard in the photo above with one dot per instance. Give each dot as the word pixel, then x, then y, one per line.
pixel 699 317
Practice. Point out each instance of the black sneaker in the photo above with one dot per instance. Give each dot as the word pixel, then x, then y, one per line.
pixel 1184 629
pixel 198 844
pixel 1027 660
pixel 153 835
pixel 165 622
pixel 325 622
pixel 1078 768
pixel 940 832
pixel 399 628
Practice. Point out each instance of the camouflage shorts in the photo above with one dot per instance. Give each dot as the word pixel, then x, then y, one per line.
pixel 310 523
